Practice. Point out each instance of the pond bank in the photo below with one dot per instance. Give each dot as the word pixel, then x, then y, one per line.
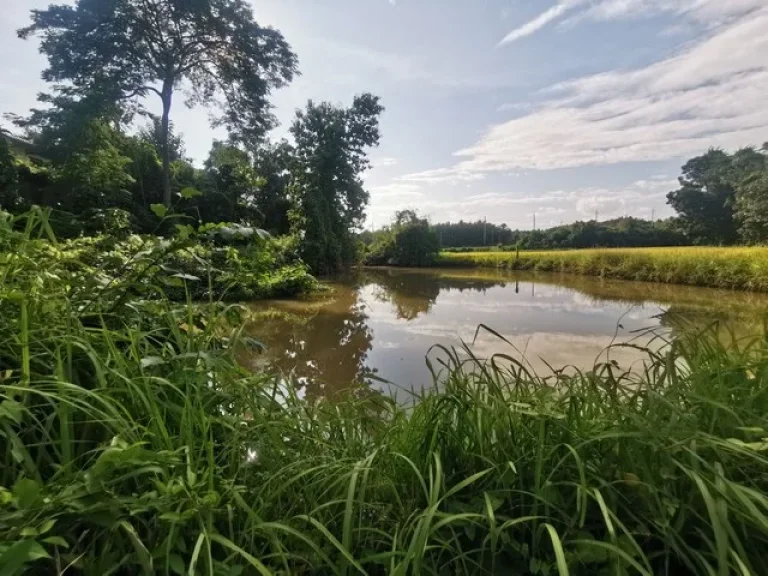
pixel 731 268
pixel 127 418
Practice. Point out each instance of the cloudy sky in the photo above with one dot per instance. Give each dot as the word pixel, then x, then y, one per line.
pixel 506 108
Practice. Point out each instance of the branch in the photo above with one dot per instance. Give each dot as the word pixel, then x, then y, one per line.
pixel 141 91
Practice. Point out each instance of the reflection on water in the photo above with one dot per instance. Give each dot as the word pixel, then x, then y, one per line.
pixel 380 324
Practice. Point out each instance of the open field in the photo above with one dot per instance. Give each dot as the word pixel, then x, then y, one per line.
pixel 733 268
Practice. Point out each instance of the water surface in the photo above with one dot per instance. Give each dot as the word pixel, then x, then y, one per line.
pixel 379 324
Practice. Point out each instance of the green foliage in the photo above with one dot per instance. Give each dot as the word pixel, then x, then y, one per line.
pixel 95 175
pixel 329 158
pixel 752 194
pixel 752 207
pixel 99 169
pixel 620 233
pixel 410 241
pixel 272 202
pixel 228 187
pixel 722 197
pixel 9 176
pixel 134 443
pixel 128 48
pixel 706 199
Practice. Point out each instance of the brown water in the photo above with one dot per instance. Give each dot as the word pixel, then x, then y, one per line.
pixel 382 323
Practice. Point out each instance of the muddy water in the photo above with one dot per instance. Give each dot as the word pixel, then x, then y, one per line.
pixel 380 324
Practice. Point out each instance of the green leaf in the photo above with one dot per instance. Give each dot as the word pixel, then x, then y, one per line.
pixel 151 361
pixel 141 551
pixel 26 492
pixel 11 410
pixel 184 230
pixel 159 209
pixel 176 564
pixel 21 553
pixel 56 541
pixel 188 277
pixel 188 193
pixel 46 526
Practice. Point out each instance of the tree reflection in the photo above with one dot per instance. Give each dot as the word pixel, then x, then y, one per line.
pixel 413 293
pixel 323 345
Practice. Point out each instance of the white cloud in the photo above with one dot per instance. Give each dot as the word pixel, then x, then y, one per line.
pixel 398 190
pixel 702 11
pixel 539 22
pixel 384 162
pixel 442 176
pixel 713 94
pixel 640 199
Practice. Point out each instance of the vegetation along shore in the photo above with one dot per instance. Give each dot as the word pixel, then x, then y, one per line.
pixel 133 443
pixel 738 268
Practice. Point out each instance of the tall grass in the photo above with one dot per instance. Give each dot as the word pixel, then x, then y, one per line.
pixel 132 443
pixel 733 268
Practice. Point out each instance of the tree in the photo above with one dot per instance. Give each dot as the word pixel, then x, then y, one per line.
pixel 9 177
pixel 93 180
pixel 272 164
pixel 229 188
pixel 329 158
pixel 125 48
pixel 752 195
pixel 706 198
pixel 752 208
pixel 410 241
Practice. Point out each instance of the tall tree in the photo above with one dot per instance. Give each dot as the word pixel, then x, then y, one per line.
pixel 706 198
pixel 272 164
pixel 127 48
pixel 229 187
pixel 329 159
pixel 752 194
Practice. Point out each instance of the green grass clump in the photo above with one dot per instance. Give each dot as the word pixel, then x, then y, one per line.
pixel 732 268
pixel 133 443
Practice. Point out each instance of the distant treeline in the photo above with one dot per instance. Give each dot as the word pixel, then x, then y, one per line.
pixel 621 232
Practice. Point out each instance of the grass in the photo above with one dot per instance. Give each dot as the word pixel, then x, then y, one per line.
pixel 133 443
pixel 731 268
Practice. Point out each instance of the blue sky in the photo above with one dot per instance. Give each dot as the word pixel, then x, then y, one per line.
pixel 506 108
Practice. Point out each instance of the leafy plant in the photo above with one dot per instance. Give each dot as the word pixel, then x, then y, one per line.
pixel 133 442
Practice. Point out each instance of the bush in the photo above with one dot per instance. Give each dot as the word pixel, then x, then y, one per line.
pixel 409 242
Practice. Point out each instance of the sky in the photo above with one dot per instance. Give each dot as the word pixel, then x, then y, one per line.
pixel 502 109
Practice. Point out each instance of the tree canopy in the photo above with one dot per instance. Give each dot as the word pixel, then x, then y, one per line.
pixel 113 50
pixel 722 197
pixel 329 159
pixel 409 241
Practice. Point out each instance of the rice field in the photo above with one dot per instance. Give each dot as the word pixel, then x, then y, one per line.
pixel 739 268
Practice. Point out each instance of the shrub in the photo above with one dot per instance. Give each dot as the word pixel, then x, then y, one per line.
pixel 409 242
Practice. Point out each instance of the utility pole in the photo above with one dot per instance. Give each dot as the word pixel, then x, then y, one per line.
pixel 653 214
pixel 597 215
pixel 534 221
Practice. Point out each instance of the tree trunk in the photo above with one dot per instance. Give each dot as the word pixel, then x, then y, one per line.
pixel 167 96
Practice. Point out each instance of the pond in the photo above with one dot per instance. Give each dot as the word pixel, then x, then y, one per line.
pixel 379 325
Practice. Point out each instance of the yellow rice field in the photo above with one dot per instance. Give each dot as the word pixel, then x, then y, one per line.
pixel 738 268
